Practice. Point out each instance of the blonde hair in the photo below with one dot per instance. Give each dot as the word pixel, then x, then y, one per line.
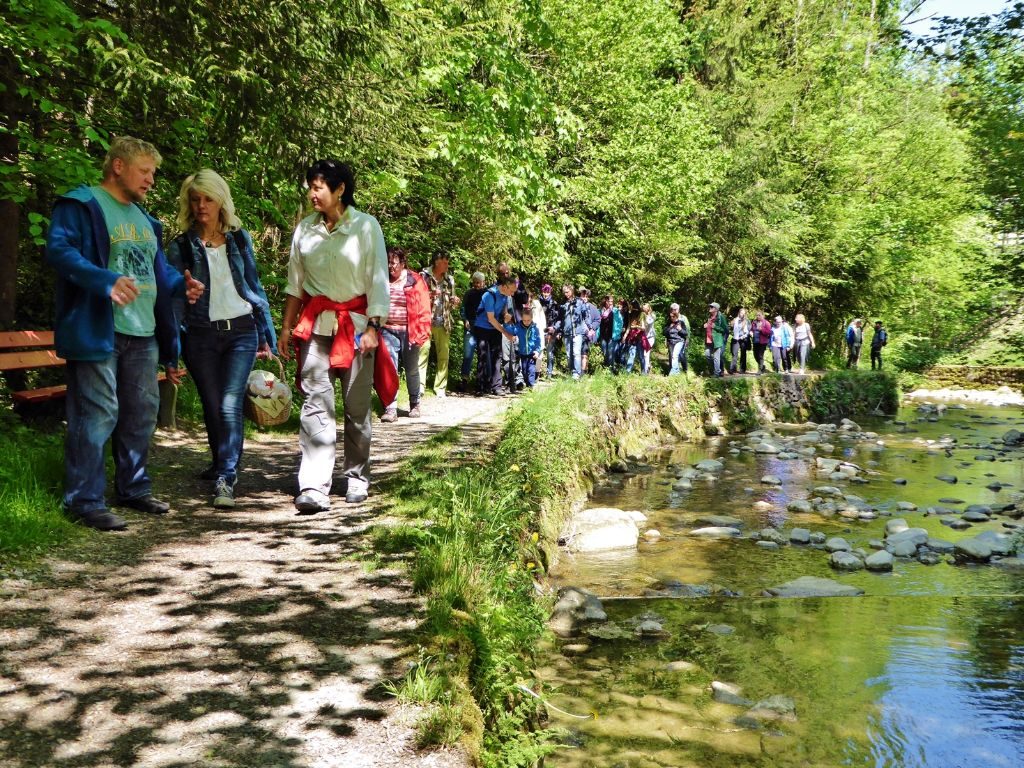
pixel 127 149
pixel 800 318
pixel 211 184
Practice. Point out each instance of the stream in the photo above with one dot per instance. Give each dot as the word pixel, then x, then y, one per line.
pixel 925 668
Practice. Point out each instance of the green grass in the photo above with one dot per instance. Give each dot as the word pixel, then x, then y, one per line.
pixel 31 473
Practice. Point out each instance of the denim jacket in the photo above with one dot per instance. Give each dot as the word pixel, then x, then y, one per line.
pixel 186 251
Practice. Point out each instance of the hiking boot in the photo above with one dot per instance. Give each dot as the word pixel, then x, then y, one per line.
pixel 414 412
pixel 390 415
pixel 223 494
pixel 148 504
pixel 100 520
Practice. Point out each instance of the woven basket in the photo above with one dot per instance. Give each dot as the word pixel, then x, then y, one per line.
pixel 257 415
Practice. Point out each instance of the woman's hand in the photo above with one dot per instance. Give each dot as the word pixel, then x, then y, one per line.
pixel 284 343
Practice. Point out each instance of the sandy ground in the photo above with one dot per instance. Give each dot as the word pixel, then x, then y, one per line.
pixel 256 637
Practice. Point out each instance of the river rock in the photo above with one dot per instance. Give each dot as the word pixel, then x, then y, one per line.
pixel 574 607
pixel 715 532
pixel 960 525
pixel 941 546
pixel 837 544
pixel 826 465
pixel 916 535
pixel 879 562
pixel 929 558
pixel 710 465
pixel 1014 563
pixel 774 708
pixel 649 628
pixel 681 666
pixel 763 544
pixel 906 506
pixel 828 490
pixel 896 525
pixel 682 484
pixel 727 693
pixel 1013 437
pixel 900 480
pixel 800 506
pixel 951 479
pixel 652 534
pixel 826 447
pixel 975 515
pixel 817 537
pixel 845 561
pixel 600 528
pixel 800 536
pixel 770 534
pixel 984 457
pixel 905 548
pixel 766 447
pixel 725 521
pixel 972 551
pixel 809 438
pixel 999 543
pixel 950 500
pixel 813 586
pixel 771 480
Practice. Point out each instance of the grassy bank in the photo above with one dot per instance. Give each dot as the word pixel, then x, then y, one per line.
pixel 31 473
pixel 483 527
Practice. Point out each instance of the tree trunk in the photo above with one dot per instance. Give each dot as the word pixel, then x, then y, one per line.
pixel 10 213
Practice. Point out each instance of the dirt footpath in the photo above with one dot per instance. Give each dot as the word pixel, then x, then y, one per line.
pixel 255 637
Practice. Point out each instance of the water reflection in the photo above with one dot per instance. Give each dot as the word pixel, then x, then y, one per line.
pixel 926 670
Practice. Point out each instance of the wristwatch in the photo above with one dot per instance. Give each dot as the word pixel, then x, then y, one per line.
pixel 374 323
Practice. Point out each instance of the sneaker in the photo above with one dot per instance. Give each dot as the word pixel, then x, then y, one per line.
pixel 223 494
pixel 440 393
pixel 414 412
pixel 100 520
pixel 389 415
pixel 356 497
pixel 310 502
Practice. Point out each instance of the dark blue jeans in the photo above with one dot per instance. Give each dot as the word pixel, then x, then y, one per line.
pixel 468 348
pixel 488 364
pixel 529 367
pixel 219 363
pixel 116 399
pixel 610 349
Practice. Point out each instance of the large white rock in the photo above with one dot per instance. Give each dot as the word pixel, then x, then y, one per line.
pixel 601 528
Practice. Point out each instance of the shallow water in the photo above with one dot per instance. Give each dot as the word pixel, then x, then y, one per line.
pixel 926 669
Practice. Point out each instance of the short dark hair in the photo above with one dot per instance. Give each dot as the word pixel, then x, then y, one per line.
pixel 507 279
pixel 399 253
pixel 437 256
pixel 334 173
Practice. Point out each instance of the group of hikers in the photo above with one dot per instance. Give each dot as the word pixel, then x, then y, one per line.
pixel 123 307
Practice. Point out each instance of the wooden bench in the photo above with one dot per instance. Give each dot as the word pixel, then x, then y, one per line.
pixel 22 351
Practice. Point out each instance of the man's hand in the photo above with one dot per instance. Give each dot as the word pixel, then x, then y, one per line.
pixel 193 288
pixel 369 340
pixel 264 352
pixel 175 375
pixel 284 343
pixel 124 291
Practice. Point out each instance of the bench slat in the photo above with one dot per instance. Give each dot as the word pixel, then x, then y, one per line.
pixel 23 361
pixel 40 395
pixel 19 339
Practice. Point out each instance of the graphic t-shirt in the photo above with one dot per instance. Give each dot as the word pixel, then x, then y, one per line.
pixel 132 253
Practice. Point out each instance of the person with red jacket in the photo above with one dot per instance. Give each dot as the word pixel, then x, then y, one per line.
pixel 407 327
pixel 761 334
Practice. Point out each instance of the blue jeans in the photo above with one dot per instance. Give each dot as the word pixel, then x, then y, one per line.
pixel 610 349
pixel 115 399
pixel 397 343
pixel 219 363
pixel 679 363
pixel 574 354
pixel 635 351
pixel 529 368
pixel 468 349
pixel 552 341
pixel 713 356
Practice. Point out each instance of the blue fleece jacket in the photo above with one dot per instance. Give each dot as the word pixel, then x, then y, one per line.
pixel 78 247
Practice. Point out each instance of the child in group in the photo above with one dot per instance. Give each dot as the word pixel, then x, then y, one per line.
pixel 508 322
pixel 529 347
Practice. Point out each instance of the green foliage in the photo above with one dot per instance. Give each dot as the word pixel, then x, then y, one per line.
pixel 31 470
pixel 842 394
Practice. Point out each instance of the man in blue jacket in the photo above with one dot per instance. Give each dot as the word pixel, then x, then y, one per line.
pixel 114 324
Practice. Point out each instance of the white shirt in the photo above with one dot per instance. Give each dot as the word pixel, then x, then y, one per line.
pixel 347 261
pixel 801 332
pixel 225 303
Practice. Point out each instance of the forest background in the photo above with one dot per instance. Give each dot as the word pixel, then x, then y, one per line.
pixel 792 155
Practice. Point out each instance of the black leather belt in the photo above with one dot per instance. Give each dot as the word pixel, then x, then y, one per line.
pixel 240 323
